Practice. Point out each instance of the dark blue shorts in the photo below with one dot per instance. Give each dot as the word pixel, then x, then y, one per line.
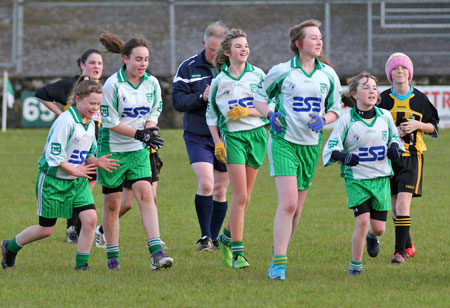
pixel 201 149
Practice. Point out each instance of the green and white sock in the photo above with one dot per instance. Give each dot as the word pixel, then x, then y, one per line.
pixel 370 235
pixel 82 259
pixel 356 265
pixel 237 248
pixel 154 244
pixel 225 237
pixel 14 246
pixel 112 251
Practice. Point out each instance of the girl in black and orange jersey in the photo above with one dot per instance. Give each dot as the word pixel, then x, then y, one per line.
pixel 414 116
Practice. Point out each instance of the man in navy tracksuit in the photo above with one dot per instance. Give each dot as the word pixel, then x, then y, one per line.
pixel 190 95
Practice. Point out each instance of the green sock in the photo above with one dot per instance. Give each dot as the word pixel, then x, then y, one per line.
pixel 225 237
pixel 82 259
pixel 279 260
pixel 371 235
pixel 13 246
pixel 112 251
pixel 237 248
pixel 356 265
pixel 154 244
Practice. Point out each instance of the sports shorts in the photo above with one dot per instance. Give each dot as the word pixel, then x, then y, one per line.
pixel 376 190
pixel 58 197
pixel 133 165
pixel 153 166
pixel 290 159
pixel 407 175
pixel 246 147
pixel 201 149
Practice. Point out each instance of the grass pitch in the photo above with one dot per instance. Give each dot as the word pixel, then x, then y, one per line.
pixel 318 256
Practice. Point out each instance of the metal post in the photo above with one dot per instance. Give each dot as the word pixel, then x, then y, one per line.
pixel 14 34
pixel 173 56
pixel 369 36
pixel 327 30
pixel 19 38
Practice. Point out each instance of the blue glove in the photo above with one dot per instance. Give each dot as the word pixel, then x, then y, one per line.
pixel 392 152
pixel 316 123
pixel 273 118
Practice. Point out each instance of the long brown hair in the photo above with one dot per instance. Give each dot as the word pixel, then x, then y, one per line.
pixel 220 58
pixel 297 33
pixel 114 44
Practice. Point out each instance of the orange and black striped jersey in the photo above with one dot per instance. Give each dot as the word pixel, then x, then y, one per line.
pixel 416 106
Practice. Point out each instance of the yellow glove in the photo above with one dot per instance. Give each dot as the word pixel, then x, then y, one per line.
pixel 220 152
pixel 238 112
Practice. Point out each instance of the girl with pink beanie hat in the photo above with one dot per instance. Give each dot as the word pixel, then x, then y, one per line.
pixel 413 115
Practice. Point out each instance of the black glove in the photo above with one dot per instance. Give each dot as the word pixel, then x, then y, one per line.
pixel 150 136
pixel 392 152
pixel 348 159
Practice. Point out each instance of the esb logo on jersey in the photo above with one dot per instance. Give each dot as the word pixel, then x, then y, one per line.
pixel 306 104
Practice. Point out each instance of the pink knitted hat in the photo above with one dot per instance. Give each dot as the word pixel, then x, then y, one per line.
pixel 397 59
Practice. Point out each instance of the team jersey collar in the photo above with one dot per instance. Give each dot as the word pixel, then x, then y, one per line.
pixel 76 116
pixel 295 63
pixel 123 78
pixel 356 117
pixel 248 68
pixel 402 97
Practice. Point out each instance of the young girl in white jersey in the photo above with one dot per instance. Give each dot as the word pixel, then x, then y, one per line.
pixel 243 140
pixel 363 141
pixel 65 167
pixel 307 92
pixel 130 109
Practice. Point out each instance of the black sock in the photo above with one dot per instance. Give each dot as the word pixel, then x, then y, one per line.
pixel 218 215
pixel 402 225
pixel 204 208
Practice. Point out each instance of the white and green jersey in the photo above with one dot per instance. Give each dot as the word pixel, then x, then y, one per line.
pixel 298 94
pixel 69 140
pixel 129 105
pixel 226 92
pixel 369 141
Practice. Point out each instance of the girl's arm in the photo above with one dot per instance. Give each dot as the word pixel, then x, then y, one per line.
pixel 214 133
pixel 330 117
pixel 262 108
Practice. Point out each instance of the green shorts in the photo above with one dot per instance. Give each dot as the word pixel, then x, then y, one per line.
pixel 377 190
pixel 133 165
pixel 290 159
pixel 57 197
pixel 246 147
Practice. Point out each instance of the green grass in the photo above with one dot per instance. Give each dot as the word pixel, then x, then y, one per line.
pixel 318 256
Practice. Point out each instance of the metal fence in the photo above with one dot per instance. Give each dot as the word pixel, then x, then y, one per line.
pixel 389 24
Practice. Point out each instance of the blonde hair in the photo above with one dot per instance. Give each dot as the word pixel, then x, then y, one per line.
pixel 297 33
pixel 83 88
pixel 353 82
pixel 220 58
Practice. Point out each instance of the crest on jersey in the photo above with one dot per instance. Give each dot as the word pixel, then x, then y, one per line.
pixel 332 143
pixel 104 110
pixel 323 88
pixel 384 135
pixel 149 97
pixel 356 138
pixel 253 87
pixel 55 148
